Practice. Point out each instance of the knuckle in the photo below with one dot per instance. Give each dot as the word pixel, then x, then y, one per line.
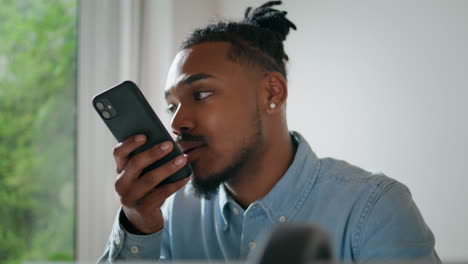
pixel 118 186
pixel 117 150
pixel 124 201
pixel 148 179
pixel 135 163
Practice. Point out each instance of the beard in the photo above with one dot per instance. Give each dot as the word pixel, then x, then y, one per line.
pixel 208 187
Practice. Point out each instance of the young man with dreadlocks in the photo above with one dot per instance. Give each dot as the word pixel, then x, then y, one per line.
pixel 227 91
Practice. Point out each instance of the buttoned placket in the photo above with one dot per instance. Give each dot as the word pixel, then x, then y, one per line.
pixel 254 218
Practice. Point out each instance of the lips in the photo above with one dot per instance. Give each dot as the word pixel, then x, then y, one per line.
pixel 191 149
pixel 188 146
pixel 187 151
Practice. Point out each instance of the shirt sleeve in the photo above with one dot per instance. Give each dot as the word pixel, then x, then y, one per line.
pixel 392 228
pixel 123 245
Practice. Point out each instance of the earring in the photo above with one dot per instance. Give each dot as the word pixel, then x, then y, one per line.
pixel 272 106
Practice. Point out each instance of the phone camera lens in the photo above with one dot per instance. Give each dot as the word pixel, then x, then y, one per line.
pixel 106 114
pixel 100 105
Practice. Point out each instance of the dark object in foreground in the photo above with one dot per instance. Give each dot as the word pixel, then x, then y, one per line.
pixel 296 243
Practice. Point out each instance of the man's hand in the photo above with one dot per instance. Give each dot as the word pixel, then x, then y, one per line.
pixel 141 201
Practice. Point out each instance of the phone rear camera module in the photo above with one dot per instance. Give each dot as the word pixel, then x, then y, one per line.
pixel 100 106
pixel 105 108
pixel 106 114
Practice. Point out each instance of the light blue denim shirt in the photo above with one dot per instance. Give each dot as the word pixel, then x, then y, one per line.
pixel 368 217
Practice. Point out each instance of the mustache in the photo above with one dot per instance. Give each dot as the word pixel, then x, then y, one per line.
pixel 190 137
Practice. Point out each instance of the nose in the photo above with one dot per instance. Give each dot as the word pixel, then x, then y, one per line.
pixel 182 120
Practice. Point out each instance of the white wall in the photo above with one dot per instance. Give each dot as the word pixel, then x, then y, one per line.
pixel 381 84
pixel 384 85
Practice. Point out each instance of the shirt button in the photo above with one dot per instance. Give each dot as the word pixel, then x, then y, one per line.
pixel 252 245
pixel 235 210
pixel 117 241
pixel 134 250
pixel 282 219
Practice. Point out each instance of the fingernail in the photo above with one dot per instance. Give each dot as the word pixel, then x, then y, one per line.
pixel 140 138
pixel 164 146
pixel 179 160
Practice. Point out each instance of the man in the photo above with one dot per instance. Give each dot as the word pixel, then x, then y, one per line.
pixel 227 90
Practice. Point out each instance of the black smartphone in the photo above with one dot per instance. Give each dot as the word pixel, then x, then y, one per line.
pixel 126 113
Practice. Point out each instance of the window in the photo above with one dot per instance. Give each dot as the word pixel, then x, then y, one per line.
pixel 37 129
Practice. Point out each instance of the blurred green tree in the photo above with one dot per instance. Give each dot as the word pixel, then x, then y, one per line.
pixel 37 129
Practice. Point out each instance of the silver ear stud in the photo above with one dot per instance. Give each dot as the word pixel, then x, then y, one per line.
pixel 272 106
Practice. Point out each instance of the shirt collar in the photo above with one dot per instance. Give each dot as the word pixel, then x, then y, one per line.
pixel 287 196
pixel 223 198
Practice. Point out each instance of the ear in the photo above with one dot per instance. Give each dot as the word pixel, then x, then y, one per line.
pixel 275 92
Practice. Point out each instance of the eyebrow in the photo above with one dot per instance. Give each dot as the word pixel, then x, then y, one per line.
pixel 191 79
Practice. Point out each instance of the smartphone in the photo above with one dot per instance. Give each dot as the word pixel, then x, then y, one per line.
pixel 126 112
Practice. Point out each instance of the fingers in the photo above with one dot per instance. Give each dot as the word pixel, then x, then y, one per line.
pixel 145 215
pixel 138 195
pixel 156 198
pixel 149 180
pixel 124 148
pixel 137 163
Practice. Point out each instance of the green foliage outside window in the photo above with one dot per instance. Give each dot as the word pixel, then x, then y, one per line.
pixel 37 129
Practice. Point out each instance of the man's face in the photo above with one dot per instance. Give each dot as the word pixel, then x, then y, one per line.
pixel 215 113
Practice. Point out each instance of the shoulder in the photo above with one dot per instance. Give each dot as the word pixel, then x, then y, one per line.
pixel 387 218
pixel 363 192
pixel 343 175
pixel 392 220
pixel 331 172
pixel 366 188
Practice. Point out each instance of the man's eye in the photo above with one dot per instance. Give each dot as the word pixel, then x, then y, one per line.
pixel 202 95
pixel 171 108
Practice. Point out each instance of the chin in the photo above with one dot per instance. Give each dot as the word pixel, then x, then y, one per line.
pixel 205 184
pixel 205 164
pixel 200 173
pixel 207 171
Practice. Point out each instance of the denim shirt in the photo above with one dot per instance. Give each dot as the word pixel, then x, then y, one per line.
pixel 368 217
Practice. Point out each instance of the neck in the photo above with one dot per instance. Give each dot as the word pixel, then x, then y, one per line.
pixel 260 175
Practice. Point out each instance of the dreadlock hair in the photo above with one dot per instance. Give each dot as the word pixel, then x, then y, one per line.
pixel 256 40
